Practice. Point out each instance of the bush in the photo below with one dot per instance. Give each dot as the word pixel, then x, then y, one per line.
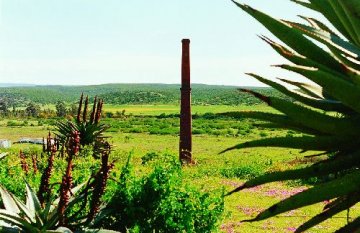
pixel 16 123
pixel 160 201
pixel 243 172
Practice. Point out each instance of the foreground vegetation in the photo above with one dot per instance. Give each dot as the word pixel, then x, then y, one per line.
pixel 212 173
pixel 317 189
pixel 335 73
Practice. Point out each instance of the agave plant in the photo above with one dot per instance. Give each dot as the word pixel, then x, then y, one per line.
pixel 326 112
pixel 30 217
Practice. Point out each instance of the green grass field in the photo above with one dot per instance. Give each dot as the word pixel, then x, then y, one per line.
pixel 211 171
pixel 174 109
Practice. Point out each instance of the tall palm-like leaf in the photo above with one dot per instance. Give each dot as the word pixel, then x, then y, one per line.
pixel 336 74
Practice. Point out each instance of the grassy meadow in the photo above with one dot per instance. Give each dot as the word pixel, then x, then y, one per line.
pixel 157 109
pixel 154 128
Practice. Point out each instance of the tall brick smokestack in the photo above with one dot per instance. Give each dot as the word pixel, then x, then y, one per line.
pixel 185 148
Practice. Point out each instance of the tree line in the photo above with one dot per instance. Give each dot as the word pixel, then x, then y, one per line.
pixel 129 94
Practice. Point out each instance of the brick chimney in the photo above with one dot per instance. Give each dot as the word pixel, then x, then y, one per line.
pixel 185 148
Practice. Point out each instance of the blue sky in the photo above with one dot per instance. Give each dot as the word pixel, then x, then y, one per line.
pixel 114 41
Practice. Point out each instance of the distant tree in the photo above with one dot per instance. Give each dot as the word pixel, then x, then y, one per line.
pixel 60 109
pixel 73 109
pixel 3 107
pixel 32 109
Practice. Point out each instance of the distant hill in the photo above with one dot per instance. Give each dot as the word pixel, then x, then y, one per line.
pixel 131 94
pixel 15 85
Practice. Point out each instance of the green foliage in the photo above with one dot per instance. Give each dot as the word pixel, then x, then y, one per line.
pixel 244 172
pixel 130 94
pixel 160 201
pixel 32 109
pixel 208 123
pixel 30 216
pixel 89 128
pixel 12 123
pixel 336 71
pixel 60 109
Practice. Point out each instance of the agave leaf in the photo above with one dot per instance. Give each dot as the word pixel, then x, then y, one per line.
pixel 45 212
pixel 265 116
pixel 342 16
pixel 9 221
pixel 326 9
pixel 3 155
pixel 9 229
pixel 279 121
pixel 326 105
pixel 310 118
pixel 312 90
pixel 318 143
pixel 318 25
pixel 352 10
pixel 354 226
pixel 306 4
pixel 304 61
pixel 33 206
pixel 346 92
pixel 340 205
pixel 16 220
pixel 293 38
pixel 4 211
pixel 52 220
pixel 327 191
pixel 316 170
pixel 8 200
pixel 300 129
pixel 23 209
pixel 32 201
pixel 329 39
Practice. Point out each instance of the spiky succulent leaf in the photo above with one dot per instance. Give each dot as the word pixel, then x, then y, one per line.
pixel 327 191
pixel 321 103
pixel 30 217
pixel 340 204
pixel 305 4
pixel 316 170
pixel 33 204
pixel 9 201
pixel 292 38
pixel 3 155
pixel 336 72
pixel 330 13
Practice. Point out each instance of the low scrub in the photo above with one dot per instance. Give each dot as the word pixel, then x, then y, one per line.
pixel 160 202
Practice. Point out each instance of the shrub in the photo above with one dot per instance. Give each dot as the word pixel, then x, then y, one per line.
pixel 14 123
pixel 243 172
pixel 160 201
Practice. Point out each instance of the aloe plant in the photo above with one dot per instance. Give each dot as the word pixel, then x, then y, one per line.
pixel 90 129
pixel 326 112
pixel 31 217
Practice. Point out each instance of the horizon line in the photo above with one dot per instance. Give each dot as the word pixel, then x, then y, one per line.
pixel 7 84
